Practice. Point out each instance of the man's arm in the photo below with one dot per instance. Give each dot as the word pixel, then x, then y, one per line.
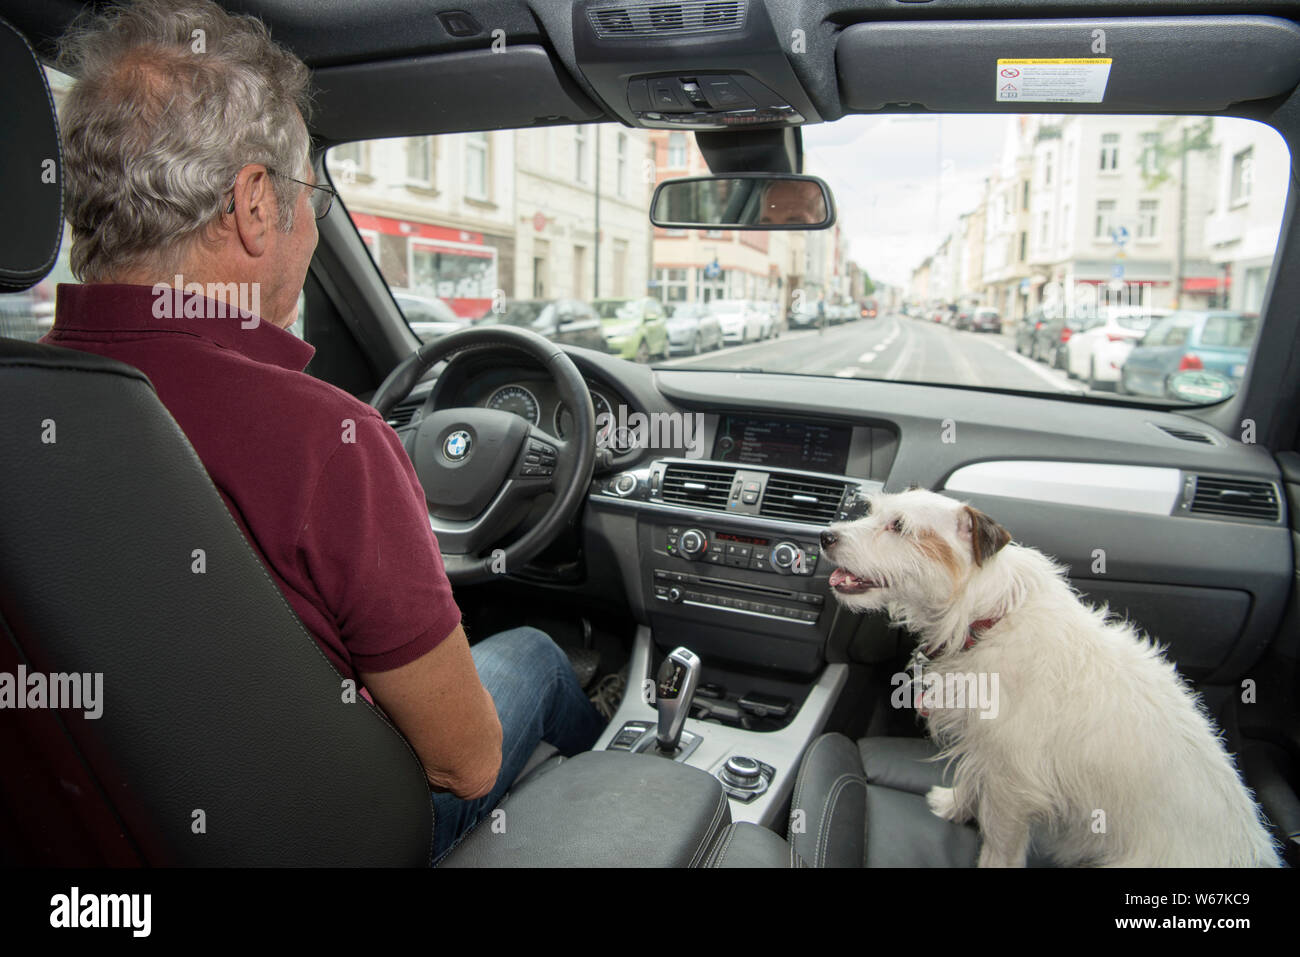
pixel 441 706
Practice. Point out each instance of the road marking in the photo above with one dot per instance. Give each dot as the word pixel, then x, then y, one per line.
pixel 1063 385
pixel 904 356
pixel 848 373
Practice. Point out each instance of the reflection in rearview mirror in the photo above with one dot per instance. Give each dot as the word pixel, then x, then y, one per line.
pixel 743 201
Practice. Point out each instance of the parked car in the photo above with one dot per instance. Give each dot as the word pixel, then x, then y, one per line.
pixel 1212 341
pixel 566 321
pixel 768 317
pixel 634 328
pixel 739 319
pixel 1097 351
pixel 986 319
pixel 1051 337
pixel 961 318
pixel 692 329
pixel 429 318
pixel 1026 329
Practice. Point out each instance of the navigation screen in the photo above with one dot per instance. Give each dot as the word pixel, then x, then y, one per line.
pixel 774 444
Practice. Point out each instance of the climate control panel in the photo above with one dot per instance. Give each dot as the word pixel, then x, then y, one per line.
pixel 783 556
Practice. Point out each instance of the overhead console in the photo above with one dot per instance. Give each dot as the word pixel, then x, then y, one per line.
pixel 694 65
pixel 1098 65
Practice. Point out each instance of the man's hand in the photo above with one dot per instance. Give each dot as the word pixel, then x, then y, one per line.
pixel 438 702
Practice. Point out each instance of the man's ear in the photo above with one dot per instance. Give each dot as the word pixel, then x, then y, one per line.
pixel 986 536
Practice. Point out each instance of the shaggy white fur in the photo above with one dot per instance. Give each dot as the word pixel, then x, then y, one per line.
pixel 1097 751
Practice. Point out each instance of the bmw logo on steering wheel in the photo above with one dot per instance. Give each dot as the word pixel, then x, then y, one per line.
pixel 457 445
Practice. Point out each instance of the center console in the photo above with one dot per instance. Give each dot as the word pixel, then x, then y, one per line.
pixel 726 567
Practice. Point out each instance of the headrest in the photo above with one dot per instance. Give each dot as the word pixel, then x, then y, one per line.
pixel 31 167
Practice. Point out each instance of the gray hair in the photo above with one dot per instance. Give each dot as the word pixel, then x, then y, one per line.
pixel 172 99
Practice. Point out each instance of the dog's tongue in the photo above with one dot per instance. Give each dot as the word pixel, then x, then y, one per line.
pixel 839 577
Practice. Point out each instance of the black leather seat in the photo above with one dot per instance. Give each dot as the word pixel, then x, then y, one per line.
pixel 864 805
pixel 226 737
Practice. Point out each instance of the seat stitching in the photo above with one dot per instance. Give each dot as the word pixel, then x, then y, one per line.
pixel 804 772
pixel 722 849
pixel 828 811
pixel 710 838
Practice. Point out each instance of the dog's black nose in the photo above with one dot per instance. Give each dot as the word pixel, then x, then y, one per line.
pixel 829 538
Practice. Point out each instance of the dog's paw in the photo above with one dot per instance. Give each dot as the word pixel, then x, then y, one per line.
pixel 942 803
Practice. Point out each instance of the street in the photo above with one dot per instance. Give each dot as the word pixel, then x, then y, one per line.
pixel 893 347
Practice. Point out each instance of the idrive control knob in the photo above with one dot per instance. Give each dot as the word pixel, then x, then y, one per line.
pixel 742 772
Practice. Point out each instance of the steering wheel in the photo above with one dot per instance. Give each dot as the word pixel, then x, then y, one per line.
pixel 481 468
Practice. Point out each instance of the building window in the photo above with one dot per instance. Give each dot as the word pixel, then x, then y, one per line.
pixel 1105 221
pixel 1047 168
pixel 346 161
pixel 1024 243
pixel 1243 176
pixel 419 161
pixel 1109 152
pixel 677 150
pixel 580 154
pixel 476 166
pixel 621 179
pixel 1024 196
pixel 1148 219
pixel 1150 153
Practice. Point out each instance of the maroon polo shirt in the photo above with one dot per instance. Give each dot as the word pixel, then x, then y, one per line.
pixel 316 480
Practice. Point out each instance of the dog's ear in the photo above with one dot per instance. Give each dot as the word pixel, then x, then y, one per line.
pixel 986 536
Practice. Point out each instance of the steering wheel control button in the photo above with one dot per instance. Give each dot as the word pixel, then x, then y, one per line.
pixel 457 445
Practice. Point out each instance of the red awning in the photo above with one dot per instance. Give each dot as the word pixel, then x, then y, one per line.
pixel 1206 283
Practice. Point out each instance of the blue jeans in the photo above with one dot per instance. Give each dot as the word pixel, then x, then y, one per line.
pixel 538 698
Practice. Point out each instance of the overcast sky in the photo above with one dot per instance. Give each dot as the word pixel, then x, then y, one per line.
pixel 885 174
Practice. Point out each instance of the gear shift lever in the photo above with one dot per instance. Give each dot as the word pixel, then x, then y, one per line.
pixel 675 688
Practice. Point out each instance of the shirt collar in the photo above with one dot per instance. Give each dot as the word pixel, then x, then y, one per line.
pixel 90 309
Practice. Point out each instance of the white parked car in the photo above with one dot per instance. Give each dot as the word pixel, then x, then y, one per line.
pixel 741 321
pixel 1096 352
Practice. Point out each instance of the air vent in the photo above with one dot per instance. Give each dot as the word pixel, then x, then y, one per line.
pixel 404 412
pixel 799 499
pixel 1187 435
pixel 699 486
pixel 1235 498
pixel 667 19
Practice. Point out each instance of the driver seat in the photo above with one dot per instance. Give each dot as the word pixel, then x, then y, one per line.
pixel 220 734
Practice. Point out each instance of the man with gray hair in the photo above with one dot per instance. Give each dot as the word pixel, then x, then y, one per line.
pixel 193 204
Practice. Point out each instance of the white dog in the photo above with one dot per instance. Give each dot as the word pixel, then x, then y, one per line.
pixel 1096 749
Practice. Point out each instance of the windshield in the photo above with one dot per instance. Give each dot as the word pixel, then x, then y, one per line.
pixel 969 250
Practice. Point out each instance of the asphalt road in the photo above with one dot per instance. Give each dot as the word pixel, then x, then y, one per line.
pixel 892 347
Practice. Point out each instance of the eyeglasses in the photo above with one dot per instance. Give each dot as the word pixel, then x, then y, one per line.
pixel 322 197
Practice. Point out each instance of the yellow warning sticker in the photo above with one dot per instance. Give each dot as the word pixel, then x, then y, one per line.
pixel 1052 80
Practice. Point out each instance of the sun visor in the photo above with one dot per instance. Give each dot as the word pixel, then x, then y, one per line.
pixel 448 93
pixel 1097 65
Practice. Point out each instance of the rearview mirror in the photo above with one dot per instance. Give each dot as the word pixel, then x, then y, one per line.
pixel 743 201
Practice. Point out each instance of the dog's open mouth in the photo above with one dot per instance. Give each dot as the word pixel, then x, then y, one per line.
pixel 847 583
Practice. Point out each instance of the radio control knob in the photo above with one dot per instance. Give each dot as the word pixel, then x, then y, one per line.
pixel 692 542
pixel 674 594
pixel 784 554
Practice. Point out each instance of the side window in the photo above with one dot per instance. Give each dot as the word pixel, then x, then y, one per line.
pixel 1177 335
pixel 1215 331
